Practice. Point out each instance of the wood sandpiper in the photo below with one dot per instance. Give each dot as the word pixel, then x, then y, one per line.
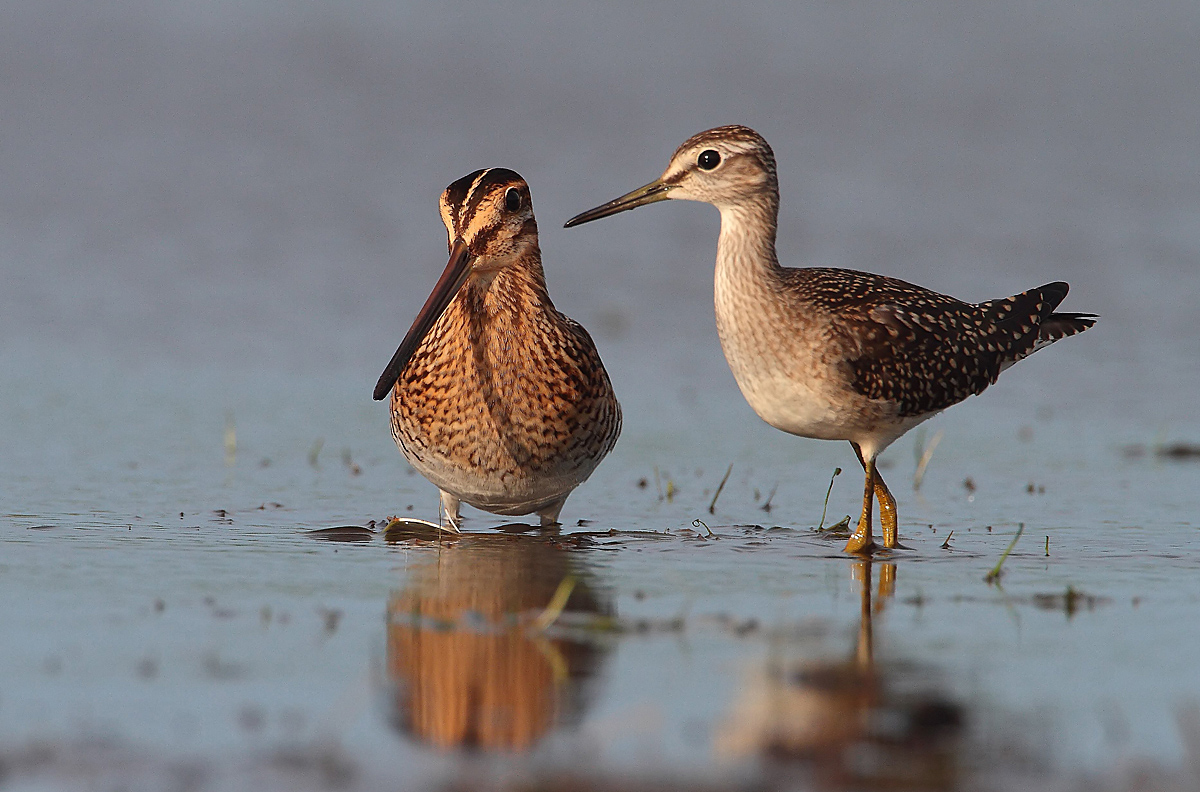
pixel 836 354
pixel 497 398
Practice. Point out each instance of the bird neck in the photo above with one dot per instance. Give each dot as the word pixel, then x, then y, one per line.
pixel 746 290
pixel 746 255
pixel 518 287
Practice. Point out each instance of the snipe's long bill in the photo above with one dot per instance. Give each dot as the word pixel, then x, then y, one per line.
pixel 497 398
pixel 838 354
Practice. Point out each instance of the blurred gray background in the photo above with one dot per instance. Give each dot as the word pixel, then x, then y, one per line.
pixel 252 186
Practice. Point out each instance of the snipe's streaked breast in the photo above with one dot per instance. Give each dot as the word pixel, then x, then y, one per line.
pixel 496 397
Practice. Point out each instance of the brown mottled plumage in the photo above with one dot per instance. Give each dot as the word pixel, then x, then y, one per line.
pixel 497 398
pixel 838 354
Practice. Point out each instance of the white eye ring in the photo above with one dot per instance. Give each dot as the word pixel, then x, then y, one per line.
pixel 708 159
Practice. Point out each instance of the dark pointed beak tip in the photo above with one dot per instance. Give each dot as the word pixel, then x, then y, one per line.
pixel 651 193
pixel 457 269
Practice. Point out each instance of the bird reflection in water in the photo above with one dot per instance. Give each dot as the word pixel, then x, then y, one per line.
pixel 469 665
pixel 853 723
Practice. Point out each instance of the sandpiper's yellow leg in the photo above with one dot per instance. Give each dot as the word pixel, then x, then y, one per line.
pixel 887 507
pixel 861 540
pixel 887 514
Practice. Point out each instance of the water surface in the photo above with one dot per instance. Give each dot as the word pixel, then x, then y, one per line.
pixel 219 223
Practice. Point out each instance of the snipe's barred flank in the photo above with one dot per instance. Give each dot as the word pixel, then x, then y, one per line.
pixel 497 398
pixel 838 354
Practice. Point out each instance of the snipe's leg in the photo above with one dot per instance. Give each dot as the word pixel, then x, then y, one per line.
pixel 861 541
pixel 549 515
pixel 450 510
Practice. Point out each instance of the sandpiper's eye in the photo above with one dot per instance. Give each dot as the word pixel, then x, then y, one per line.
pixel 708 159
pixel 512 199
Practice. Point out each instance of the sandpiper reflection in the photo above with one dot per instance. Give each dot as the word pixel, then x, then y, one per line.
pixel 853 722
pixel 468 665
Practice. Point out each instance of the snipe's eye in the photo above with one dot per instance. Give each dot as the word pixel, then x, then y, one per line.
pixel 512 199
pixel 708 159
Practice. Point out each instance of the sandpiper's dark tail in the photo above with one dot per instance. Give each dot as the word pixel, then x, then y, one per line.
pixel 1060 325
pixel 1054 326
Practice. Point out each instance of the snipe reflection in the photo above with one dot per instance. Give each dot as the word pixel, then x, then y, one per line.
pixel 855 722
pixel 469 664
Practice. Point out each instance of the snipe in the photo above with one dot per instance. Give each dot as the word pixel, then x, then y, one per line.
pixel 496 397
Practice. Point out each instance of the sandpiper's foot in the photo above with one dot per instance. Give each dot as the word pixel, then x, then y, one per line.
pixel 887 515
pixel 861 542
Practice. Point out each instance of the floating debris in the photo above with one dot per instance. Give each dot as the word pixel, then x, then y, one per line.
pixel 517 528
pixel 839 529
pixel 344 533
pixel 698 523
pixel 398 530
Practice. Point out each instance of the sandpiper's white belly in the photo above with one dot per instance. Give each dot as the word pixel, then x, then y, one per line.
pixel 805 400
pixel 791 371
pixel 799 406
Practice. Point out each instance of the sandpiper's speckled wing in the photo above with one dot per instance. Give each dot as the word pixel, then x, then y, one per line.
pixel 926 351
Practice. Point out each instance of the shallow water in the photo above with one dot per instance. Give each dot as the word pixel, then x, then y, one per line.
pixel 220 222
